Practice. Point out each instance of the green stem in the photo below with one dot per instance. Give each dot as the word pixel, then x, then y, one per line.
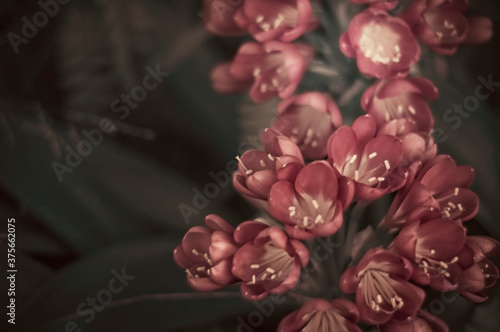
pixel 352 228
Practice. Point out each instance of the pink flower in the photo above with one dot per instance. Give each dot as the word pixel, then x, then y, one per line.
pixel 206 254
pixel 271 69
pixel 417 146
pixel 438 185
pixel 381 4
pixel 259 170
pixel 309 119
pixel 284 20
pixel 387 100
pixel 483 273
pixel 268 261
pixel 383 45
pixel 218 17
pixel 371 162
pixel 442 26
pixel 313 204
pixel 380 282
pixel 437 248
pixel 224 82
pixel 423 321
pixel 321 315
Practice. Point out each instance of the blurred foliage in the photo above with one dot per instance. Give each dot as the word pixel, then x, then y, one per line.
pixel 119 206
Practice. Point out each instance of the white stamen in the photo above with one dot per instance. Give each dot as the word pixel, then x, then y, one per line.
pixel 254 266
pixel 353 158
pixel 387 165
pixel 372 155
pixel 315 203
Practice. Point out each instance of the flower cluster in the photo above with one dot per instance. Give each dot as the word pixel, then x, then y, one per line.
pixel 314 173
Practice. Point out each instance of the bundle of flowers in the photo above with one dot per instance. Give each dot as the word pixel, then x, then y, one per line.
pixel 317 176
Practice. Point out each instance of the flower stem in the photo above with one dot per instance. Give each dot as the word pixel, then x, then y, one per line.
pixel 352 228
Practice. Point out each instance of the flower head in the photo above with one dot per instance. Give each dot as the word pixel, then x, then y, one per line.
pixel 417 146
pixel 282 20
pixel 218 18
pixel 259 170
pixel 271 69
pixel 483 273
pixel 206 254
pixel 383 45
pixel 437 249
pixel 309 119
pixel 320 315
pixel 442 26
pixel 387 100
pixel 371 162
pixel 438 185
pixel 313 204
pixel 268 260
pixel 380 282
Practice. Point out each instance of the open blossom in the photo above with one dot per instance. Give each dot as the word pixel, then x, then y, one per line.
pixel 320 315
pixel 259 170
pixel 268 260
pixel 218 17
pixel 382 4
pixel 380 282
pixel 442 26
pixel 439 185
pixel 437 249
pixel 423 321
pixel 309 119
pixel 371 162
pixel 387 100
pixel 417 146
pixel 483 273
pixel 284 20
pixel 383 45
pixel 206 254
pixel 270 69
pixel 314 203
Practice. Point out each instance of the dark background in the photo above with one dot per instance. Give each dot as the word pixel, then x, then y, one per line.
pixel 119 208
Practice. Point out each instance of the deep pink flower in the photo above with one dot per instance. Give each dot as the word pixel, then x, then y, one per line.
pixel 383 45
pixel 423 321
pixel 268 260
pixel 417 146
pixel 387 100
pixel 272 69
pixel 309 119
pixel 437 248
pixel 438 185
pixel 218 17
pixel 442 26
pixel 259 170
pixel 206 254
pixel 382 4
pixel 369 161
pixel 320 315
pixel 314 203
pixel 483 273
pixel 284 20
pixel 380 282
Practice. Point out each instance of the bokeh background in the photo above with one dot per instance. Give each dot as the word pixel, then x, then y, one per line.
pixel 119 207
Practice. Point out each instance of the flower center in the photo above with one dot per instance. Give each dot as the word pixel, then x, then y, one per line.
pixel 310 212
pixel 275 265
pixel 200 270
pixel 380 43
pixel 378 293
